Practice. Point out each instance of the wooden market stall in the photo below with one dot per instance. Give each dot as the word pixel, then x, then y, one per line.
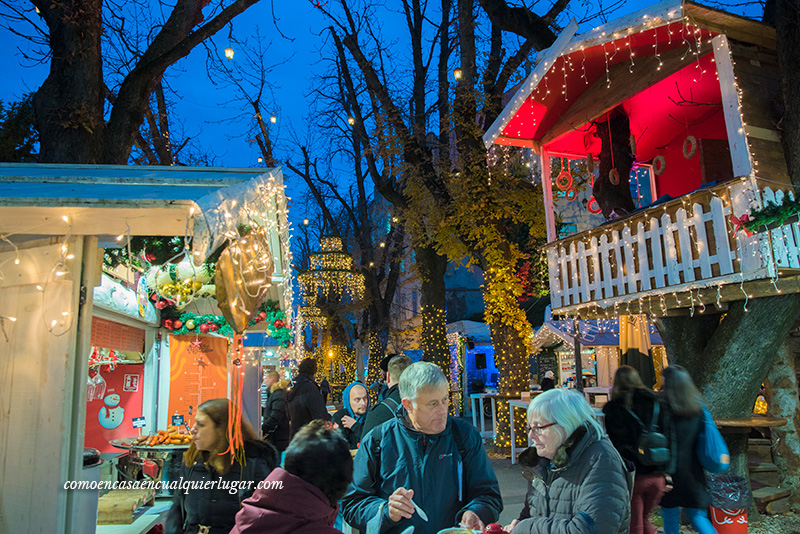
pixel 55 221
pixel 670 110
pixel 553 345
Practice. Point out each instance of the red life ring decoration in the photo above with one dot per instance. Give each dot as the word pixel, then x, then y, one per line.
pixel 613 176
pixel 592 206
pixel 659 165
pixel 564 178
pixel 689 147
pixel 572 194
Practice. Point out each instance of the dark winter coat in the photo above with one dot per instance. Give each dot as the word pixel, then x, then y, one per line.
pixel 689 480
pixel 586 489
pixel 624 431
pixel 276 420
pixel 547 383
pixel 383 411
pixel 445 484
pixel 216 507
pixel 305 404
pixel 286 505
pixel 352 434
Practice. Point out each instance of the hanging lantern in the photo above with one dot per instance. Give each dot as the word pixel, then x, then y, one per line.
pixel 229 53
pixel 273 119
pixel 457 74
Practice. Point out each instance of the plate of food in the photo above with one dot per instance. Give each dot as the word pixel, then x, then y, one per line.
pixel 171 438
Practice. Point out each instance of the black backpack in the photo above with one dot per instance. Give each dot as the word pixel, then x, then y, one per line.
pixel 653 448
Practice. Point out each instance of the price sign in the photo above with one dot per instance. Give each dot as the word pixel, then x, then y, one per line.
pixel 177 420
pixel 138 422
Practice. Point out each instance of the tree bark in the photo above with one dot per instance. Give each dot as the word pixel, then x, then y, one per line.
pixel 781 394
pixel 735 359
pixel 69 104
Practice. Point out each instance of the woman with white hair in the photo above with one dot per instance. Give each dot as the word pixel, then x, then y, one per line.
pixel 578 481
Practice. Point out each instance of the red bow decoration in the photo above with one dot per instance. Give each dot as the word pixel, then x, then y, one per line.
pixel 739 222
pixel 168 323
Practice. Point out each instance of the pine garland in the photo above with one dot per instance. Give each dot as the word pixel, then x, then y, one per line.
pixel 772 214
pixel 190 323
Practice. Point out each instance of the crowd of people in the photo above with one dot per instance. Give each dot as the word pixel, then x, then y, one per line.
pixel 405 465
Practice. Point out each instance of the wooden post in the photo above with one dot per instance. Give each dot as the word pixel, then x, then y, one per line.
pixel 578 363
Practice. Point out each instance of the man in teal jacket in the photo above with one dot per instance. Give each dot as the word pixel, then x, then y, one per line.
pixel 425 455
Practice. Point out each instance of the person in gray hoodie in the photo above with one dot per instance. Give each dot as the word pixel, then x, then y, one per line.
pixel 578 481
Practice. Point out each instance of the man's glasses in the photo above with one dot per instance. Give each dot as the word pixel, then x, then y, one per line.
pixel 537 429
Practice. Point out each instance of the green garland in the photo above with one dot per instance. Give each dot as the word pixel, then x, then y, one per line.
pixel 772 214
pixel 270 309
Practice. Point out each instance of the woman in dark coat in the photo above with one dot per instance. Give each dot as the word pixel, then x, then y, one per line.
pixel 276 421
pixel 302 498
pixel 578 481
pixel 212 510
pixel 629 395
pixel 686 419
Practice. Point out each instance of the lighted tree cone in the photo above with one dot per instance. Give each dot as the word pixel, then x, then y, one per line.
pixel 243 277
pixel 729 359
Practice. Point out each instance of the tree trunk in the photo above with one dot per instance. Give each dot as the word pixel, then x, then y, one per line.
pixel 730 361
pixel 431 267
pixel 781 393
pixel 69 104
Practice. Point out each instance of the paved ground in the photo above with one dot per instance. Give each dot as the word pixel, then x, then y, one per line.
pixel 512 488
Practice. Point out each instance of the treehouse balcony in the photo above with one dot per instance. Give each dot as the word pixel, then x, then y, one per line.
pixel 686 254
pixel 655 142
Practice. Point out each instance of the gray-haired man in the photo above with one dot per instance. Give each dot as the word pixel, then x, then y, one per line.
pixel 423 454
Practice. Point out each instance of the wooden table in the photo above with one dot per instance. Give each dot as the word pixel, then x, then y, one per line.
pixel 736 431
pixel 600 390
pixel 482 428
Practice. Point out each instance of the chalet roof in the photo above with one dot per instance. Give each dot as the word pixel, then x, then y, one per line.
pixel 641 42
pixel 112 200
pixel 595 333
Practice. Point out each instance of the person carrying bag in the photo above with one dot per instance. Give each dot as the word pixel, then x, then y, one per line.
pixel 711 449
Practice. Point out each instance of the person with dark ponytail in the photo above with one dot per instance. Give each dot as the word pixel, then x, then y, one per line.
pixel 631 406
pixel 216 481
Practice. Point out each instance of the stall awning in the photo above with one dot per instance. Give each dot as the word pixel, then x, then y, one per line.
pixel 112 200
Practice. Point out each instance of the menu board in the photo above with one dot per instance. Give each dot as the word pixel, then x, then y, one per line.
pixel 198 372
pixel 547 360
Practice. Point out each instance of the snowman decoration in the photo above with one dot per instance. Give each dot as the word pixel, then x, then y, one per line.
pixel 111 414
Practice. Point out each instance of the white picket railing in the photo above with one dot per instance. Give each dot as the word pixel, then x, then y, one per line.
pixel 665 252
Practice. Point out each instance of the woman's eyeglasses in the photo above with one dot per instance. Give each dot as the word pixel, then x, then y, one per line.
pixel 537 429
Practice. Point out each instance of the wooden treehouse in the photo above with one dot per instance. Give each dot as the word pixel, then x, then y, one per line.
pixel 680 101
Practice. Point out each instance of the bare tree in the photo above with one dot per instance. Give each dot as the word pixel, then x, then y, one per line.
pixel 70 103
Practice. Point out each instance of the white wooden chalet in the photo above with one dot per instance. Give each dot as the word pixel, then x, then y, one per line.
pixel 701 90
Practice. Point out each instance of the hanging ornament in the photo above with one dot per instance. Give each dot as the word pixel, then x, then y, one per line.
pixel 572 194
pixel 689 147
pixel 564 178
pixel 590 166
pixel 190 324
pixel 613 176
pixel 204 328
pixel 632 142
pixel 659 165
pixel 592 206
